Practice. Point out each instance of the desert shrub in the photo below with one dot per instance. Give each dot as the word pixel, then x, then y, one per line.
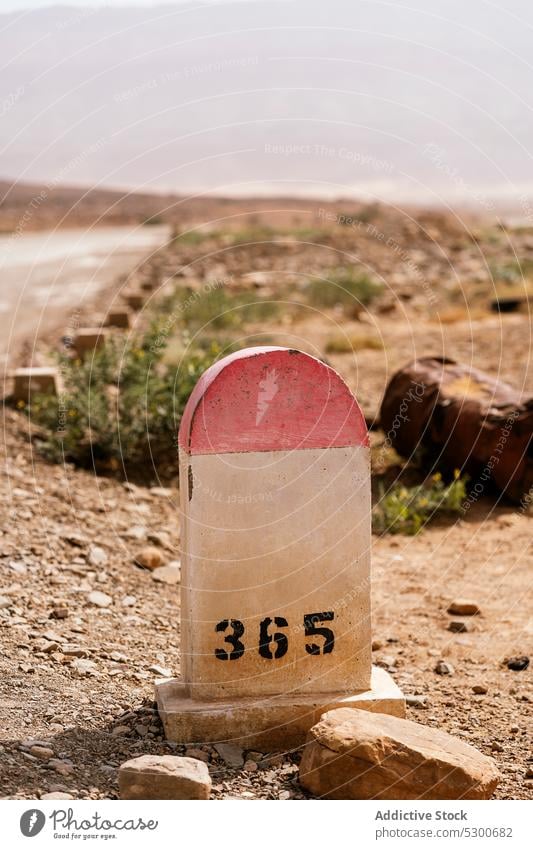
pixel 406 510
pixel 254 233
pixel 218 308
pixel 119 408
pixel 341 343
pixel 347 287
pixel 192 238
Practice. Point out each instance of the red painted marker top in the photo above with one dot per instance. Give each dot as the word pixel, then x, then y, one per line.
pixel 270 399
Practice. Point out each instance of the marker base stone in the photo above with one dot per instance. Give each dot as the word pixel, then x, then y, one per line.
pixel 268 723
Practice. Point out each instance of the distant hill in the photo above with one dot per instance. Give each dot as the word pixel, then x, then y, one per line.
pixel 338 97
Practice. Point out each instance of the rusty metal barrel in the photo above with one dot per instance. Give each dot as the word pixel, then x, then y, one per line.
pixel 462 418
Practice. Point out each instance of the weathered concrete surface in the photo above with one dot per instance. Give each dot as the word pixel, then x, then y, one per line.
pixel 278 722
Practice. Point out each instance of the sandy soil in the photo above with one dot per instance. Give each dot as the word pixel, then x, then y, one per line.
pixel 92 716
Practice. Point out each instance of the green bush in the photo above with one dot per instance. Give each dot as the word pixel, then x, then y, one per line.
pixel 347 287
pixel 119 408
pixel 406 510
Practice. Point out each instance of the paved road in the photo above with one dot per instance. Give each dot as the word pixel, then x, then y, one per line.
pixel 46 276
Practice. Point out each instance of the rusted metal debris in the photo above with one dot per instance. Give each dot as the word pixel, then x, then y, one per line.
pixel 464 419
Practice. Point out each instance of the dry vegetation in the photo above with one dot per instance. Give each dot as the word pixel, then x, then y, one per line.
pixel 367 288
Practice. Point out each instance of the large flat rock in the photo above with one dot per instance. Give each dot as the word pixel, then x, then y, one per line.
pixel 352 754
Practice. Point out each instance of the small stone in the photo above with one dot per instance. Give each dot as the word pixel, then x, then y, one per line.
pixel 496 747
pixel 42 752
pixel 161 671
pixel 159 538
pixel 97 556
pixel 376 645
pixel 170 574
pixel 74 651
pixel 141 730
pixel 250 766
pixel 231 754
pixel 199 754
pixel 354 754
pixel 518 663
pixel 444 668
pixel 129 601
pixel 136 532
pixel 99 599
pixel 457 627
pixel 420 702
pixel 464 607
pixel 164 777
pixel 149 558
pixel 285 794
pixel 161 492
pixel 514 729
pixel 529 772
pixel 5 602
pixel 57 796
pixel 480 689
pixel 84 667
pixel 74 538
pixel 59 611
pixel 120 730
pixel 61 767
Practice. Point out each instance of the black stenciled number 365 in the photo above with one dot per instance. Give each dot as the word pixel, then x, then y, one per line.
pixel 274 645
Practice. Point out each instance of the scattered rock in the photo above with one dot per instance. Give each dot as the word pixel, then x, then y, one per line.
pixel 480 689
pixel 149 557
pixel 496 747
pixel 84 667
pixel 97 556
pixel 161 671
pixel 61 767
pixel 250 766
pixel 164 777
pixel 42 752
pixel 463 607
pixel 159 538
pixel 136 532
pixel 518 663
pixel 5 602
pixel 170 574
pixel 199 754
pixel 457 627
pixel 129 601
pixel 354 754
pixel 74 538
pixel 529 772
pixel 120 730
pixel 59 611
pixel 444 668
pixel 420 702
pixel 231 754
pixel 161 492
pixel 99 599
pixel 57 796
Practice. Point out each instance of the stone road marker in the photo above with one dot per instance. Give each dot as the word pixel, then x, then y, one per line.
pixel 275 594
pixel 33 380
pixel 88 340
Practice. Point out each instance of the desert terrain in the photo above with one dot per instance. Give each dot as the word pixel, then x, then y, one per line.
pixel 85 631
